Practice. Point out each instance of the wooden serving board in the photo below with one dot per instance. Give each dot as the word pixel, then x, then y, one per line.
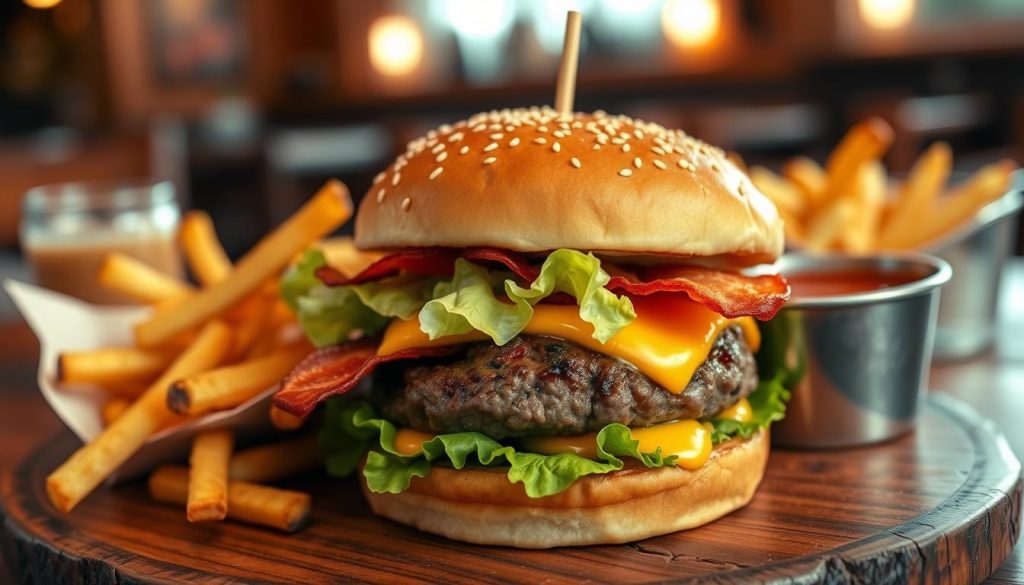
pixel 939 506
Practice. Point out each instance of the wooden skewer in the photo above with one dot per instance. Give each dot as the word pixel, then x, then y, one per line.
pixel 566 89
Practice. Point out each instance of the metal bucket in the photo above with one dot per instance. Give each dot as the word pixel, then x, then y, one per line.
pixel 977 252
pixel 857 364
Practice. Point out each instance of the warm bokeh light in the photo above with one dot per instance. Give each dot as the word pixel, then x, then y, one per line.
pixel 691 23
pixel 41 3
pixel 886 14
pixel 396 45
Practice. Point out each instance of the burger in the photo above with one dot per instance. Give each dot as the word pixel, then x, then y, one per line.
pixel 556 346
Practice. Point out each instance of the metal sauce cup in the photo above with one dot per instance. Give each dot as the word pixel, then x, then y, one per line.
pixel 977 252
pixel 856 363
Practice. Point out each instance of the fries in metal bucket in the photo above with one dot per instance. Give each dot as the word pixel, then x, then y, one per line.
pixel 849 204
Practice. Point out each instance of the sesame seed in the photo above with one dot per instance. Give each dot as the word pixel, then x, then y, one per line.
pixel 682 163
pixel 714 167
pixel 542 128
pixel 637 162
pixel 625 173
pixel 456 137
pixel 602 138
pixel 490 160
pixel 658 150
pixel 479 127
pixel 436 173
pixel 509 128
pixel 639 134
pixel 437 148
pixel 597 147
pixel 378 178
pixel 625 148
pixel 490 147
pixel 395 179
pixel 618 140
pixel 514 142
pixel 575 162
pixel 441 157
pixel 742 190
pixel 495 126
pixel 660 164
pixel 577 124
pixel 497 136
pixel 556 147
pixel 380 195
pixel 464 150
pixel 540 140
pixel 559 134
pixel 406 204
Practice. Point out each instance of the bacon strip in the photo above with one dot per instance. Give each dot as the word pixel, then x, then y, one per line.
pixel 333 371
pixel 417 261
pixel 728 293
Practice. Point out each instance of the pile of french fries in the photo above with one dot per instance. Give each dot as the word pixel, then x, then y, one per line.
pixel 851 205
pixel 203 349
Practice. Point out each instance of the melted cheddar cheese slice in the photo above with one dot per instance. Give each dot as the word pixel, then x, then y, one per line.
pixel 688 440
pixel 670 338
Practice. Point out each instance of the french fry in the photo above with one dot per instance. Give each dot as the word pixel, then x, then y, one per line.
pixel 127 389
pixel 823 230
pixel 808 177
pixel 206 257
pixel 783 193
pixel 284 331
pixel 247 502
pixel 126 275
pixel 327 210
pixel 257 315
pixel 208 476
pixel 275 461
pixel 859 234
pixel 113 409
pixel 230 386
pixel 111 365
pixel 962 203
pixel 285 421
pixel 96 460
pixel 863 143
pixel 925 182
pixel 795 234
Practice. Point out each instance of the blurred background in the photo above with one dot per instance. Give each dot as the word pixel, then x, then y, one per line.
pixel 247 107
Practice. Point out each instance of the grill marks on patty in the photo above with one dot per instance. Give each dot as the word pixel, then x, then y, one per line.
pixel 537 385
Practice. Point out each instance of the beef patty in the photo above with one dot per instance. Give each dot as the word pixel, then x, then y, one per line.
pixel 537 385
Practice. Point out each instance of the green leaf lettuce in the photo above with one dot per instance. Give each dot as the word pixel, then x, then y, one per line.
pixel 351 429
pixel 474 298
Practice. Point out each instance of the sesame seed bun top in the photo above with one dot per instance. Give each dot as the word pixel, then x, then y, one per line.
pixel 534 180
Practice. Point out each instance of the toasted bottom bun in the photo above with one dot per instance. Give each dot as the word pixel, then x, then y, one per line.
pixel 480 505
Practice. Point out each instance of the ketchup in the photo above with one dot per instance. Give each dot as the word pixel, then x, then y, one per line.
pixel 847 281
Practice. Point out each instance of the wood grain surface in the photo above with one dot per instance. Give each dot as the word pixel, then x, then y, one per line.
pixel 938 506
pixel 992 383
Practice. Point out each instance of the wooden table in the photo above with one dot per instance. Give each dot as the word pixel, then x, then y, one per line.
pixel 992 383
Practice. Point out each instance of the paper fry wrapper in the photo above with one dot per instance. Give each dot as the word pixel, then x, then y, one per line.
pixel 62 323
